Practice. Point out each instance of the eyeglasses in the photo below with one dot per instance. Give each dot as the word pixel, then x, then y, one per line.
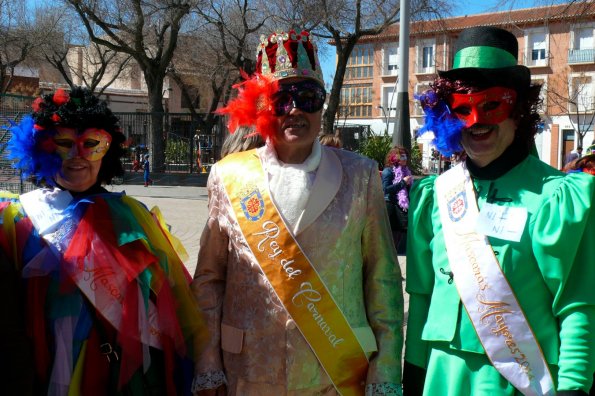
pixel 307 96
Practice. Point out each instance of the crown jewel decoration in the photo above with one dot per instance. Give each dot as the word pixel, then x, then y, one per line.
pixel 288 54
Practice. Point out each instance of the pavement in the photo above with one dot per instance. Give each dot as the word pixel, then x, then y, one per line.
pixel 185 211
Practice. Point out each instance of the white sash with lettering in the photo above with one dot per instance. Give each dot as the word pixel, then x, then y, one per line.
pixel 489 300
pixel 47 210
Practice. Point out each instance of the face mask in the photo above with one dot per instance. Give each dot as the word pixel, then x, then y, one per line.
pixel 307 96
pixel 91 145
pixel 491 106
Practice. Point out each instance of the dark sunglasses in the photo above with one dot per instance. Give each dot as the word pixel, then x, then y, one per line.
pixel 307 96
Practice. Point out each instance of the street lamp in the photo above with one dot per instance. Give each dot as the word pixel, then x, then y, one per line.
pixel 385 118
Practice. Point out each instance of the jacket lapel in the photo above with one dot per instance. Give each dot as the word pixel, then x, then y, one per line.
pixel 325 187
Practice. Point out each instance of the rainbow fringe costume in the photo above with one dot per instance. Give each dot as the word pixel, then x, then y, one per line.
pixel 108 304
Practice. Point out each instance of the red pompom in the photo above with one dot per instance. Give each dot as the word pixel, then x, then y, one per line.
pixel 60 97
pixel 56 117
pixel 36 105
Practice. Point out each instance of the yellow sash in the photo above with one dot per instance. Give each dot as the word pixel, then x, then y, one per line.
pixel 294 279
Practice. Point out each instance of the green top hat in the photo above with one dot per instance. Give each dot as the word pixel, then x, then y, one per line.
pixel 488 56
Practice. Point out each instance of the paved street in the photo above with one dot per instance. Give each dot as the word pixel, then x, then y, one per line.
pixel 185 210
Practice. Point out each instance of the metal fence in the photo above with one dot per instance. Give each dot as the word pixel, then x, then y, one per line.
pixel 188 148
pixel 353 136
pixel 12 108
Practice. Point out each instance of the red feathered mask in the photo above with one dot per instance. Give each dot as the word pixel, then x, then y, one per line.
pixel 253 107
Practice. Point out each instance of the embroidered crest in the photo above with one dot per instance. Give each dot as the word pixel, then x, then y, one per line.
pixel 253 205
pixel 457 206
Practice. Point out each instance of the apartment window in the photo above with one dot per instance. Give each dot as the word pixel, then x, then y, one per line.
pixel 581 97
pixel 425 56
pixel 583 38
pixel 391 60
pixel 388 101
pixel 428 57
pixel 581 45
pixel 361 63
pixel 537 48
pixel 356 101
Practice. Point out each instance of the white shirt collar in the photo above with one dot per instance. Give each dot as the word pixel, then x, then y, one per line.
pixel 271 160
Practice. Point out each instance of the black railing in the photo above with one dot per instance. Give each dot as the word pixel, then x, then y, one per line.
pixel 185 141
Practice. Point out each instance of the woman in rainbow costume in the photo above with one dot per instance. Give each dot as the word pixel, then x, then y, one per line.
pixel 107 304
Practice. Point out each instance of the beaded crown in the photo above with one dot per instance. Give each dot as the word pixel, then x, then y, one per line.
pixel 288 54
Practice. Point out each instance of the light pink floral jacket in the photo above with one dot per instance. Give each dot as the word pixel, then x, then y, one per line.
pixel 346 235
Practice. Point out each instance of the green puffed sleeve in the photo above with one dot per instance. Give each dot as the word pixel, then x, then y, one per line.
pixel 420 274
pixel 563 238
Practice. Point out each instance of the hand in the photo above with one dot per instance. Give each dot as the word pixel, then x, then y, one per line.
pixel 408 180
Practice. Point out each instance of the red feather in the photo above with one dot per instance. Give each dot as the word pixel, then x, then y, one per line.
pixel 253 107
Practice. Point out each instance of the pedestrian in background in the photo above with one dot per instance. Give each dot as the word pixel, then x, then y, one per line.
pixel 147 171
pixel 396 182
pixel 244 138
pixel 331 140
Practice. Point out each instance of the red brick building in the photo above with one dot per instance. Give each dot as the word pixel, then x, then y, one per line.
pixel 557 43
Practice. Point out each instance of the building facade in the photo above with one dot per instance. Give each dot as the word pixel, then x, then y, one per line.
pixel 556 43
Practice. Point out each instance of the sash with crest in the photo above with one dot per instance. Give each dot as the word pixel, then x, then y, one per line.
pixel 292 276
pixel 492 306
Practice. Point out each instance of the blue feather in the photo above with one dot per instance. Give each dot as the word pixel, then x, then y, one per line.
pixel 31 159
pixel 447 129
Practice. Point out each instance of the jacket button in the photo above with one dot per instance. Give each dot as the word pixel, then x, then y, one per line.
pixel 290 324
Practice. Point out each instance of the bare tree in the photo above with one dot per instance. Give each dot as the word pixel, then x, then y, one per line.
pixel 79 61
pixel 574 100
pixel 344 23
pixel 22 31
pixel 225 39
pixel 147 30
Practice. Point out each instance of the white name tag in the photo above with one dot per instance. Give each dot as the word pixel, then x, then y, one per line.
pixel 503 222
pixel 45 208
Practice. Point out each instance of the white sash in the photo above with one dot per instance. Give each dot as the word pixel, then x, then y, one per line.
pixel 485 292
pixel 47 210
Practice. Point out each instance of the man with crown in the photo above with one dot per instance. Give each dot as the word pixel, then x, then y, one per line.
pixel 297 274
pixel 500 250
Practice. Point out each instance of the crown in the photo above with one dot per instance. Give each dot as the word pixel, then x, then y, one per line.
pixel 288 54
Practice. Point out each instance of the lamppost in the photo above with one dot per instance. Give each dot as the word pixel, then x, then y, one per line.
pixel 385 118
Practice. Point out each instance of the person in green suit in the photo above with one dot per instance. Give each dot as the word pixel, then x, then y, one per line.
pixel 500 248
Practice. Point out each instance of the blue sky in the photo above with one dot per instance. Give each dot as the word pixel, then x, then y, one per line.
pixel 461 7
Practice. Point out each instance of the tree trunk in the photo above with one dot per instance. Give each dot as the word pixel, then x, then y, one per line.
pixel 158 135
pixel 328 120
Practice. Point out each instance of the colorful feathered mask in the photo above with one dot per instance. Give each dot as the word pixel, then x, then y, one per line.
pixel 32 145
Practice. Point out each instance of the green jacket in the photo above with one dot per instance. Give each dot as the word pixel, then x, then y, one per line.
pixel 551 269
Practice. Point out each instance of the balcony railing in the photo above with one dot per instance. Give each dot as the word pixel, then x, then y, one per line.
pixel 581 56
pixel 536 58
pixel 390 70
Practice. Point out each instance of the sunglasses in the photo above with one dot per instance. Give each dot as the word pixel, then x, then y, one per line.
pixel 307 96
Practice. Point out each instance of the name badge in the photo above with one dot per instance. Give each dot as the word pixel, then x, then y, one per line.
pixel 503 222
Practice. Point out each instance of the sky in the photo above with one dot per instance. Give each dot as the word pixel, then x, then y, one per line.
pixel 461 7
